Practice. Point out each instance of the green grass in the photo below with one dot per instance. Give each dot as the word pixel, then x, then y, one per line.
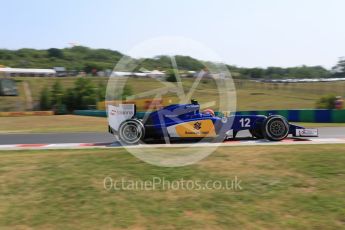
pixel 295 187
pixel 36 84
pixel 52 124
pixel 253 95
pixel 250 95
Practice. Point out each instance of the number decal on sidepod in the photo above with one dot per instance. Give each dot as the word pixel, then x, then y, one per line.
pixel 245 122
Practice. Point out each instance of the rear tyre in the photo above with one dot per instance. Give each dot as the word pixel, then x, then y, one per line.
pixel 131 132
pixel 275 128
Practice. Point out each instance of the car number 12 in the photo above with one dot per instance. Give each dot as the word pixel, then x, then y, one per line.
pixel 245 122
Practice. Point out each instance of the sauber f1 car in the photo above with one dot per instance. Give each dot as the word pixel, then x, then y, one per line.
pixel 186 122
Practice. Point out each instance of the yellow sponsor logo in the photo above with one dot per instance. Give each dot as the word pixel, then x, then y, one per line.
pixel 201 128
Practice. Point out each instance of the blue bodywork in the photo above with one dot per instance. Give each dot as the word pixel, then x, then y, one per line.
pixel 157 122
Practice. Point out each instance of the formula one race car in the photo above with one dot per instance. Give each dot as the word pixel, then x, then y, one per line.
pixel 186 122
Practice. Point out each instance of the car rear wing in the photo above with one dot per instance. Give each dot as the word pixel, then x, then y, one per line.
pixel 120 113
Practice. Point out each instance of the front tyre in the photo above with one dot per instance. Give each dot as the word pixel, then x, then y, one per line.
pixel 275 128
pixel 131 132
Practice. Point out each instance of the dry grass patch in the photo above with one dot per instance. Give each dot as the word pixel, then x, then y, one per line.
pixel 49 124
pixel 289 187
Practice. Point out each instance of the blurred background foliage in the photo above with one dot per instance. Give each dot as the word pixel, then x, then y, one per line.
pixel 80 58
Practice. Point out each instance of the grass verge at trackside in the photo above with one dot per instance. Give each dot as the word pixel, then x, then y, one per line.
pixel 52 124
pixel 290 187
pixel 250 95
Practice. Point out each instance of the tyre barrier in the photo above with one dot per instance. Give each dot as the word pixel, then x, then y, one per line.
pixel 304 115
pixel 91 113
pixel 295 115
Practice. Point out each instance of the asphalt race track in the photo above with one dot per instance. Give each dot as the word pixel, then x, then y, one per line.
pixel 107 139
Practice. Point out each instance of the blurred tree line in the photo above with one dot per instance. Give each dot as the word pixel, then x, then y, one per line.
pixel 77 58
pixel 83 95
pixel 80 58
pixel 279 72
pixel 339 69
pixel 326 102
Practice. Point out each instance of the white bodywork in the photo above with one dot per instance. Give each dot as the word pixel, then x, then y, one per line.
pixel 306 133
pixel 120 113
pixel 172 131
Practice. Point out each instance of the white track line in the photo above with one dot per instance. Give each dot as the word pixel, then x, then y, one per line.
pixel 182 145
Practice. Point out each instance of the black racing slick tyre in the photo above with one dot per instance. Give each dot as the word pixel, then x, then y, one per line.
pixel 275 128
pixel 131 131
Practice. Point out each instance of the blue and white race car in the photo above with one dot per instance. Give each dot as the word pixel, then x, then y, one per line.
pixel 186 122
